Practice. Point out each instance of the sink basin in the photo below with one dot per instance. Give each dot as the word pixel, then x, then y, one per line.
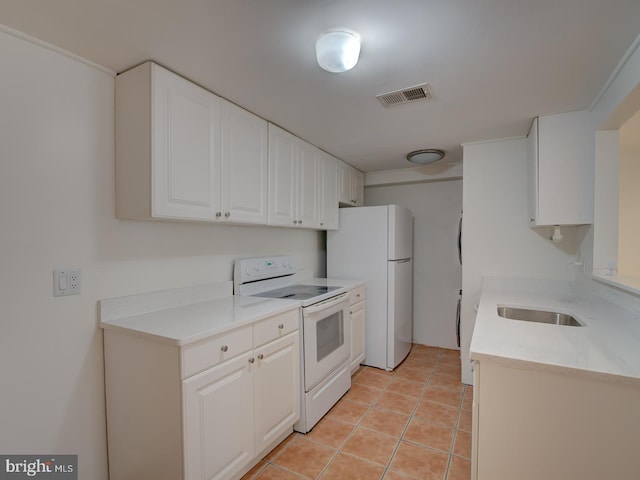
pixel 539 316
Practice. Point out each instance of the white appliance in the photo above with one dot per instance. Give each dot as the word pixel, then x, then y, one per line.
pixel 325 330
pixel 375 244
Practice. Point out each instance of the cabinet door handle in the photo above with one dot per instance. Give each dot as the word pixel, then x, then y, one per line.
pixel 350 312
pixel 295 222
pixel 218 214
pixel 358 295
pixel 300 222
pixel 322 224
pixel 227 214
pixel 260 357
pixel 281 326
pixel 252 360
pixel 224 348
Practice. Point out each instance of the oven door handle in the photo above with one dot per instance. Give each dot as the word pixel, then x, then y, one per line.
pixel 330 302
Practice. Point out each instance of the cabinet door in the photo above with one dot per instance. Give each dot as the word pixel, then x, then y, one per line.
pixel 357 334
pixel 532 173
pixel 218 420
pixel 186 148
pixel 344 183
pixel 358 187
pixel 328 193
pixel 282 177
pixel 277 389
pixel 244 166
pixel 307 198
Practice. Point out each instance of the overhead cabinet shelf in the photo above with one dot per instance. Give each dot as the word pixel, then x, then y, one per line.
pixel 183 153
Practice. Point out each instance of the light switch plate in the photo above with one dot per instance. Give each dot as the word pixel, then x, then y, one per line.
pixel 66 281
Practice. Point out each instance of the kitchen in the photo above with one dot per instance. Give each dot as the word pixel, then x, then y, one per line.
pixel 58 163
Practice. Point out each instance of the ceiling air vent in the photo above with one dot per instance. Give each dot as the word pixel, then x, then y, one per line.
pixel 406 95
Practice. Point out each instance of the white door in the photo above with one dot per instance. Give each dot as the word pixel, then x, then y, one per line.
pixel 277 388
pixel 400 311
pixel 218 420
pixel 357 334
pixel 400 246
pixel 186 148
pixel 308 157
pixel 327 338
pixel 244 166
pixel 282 178
pixel 328 194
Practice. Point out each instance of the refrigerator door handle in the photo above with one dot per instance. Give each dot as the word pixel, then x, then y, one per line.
pixel 401 261
pixel 458 321
pixel 460 241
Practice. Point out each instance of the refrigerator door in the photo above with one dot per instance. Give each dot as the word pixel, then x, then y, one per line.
pixel 399 311
pixel 400 243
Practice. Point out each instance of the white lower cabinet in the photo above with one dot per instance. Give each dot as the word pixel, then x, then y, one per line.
pixel 219 420
pixel 358 326
pixel 533 422
pixel 277 392
pixel 206 411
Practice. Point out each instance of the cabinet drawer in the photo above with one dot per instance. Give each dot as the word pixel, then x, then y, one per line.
pixel 270 329
pixel 356 295
pixel 212 351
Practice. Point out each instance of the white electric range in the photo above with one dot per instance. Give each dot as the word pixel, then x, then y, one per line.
pixel 325 330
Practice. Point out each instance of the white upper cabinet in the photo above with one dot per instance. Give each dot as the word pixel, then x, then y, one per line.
pixel 350 185
pixel 167 146
pixel 560 170
pixel 244 166
pixel 184 153
pixel 293 180
pixel 328 198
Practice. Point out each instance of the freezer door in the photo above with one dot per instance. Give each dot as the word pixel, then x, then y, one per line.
pixel 400 243
pixel 400 311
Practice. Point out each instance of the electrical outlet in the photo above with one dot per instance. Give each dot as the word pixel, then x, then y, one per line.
pixel 66 281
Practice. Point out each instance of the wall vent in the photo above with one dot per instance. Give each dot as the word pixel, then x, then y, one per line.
pixel 406 95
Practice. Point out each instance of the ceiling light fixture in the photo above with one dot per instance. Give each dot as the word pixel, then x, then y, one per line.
pixel 425 156
pixel 337 52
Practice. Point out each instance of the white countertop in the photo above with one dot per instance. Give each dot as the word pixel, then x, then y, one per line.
pixel 607 346
pixel 184 316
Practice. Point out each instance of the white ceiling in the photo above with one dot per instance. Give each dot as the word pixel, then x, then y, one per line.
pixel 492 64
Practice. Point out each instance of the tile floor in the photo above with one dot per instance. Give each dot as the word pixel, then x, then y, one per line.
pixel 412 423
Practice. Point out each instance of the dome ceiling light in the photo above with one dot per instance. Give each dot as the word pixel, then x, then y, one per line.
pixel 425 156
pixel 337 52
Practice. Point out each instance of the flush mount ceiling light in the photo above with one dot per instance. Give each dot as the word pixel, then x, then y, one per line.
pixel 337 52
pixel 426 156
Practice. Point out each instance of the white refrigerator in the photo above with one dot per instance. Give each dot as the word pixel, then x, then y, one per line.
pixel 375 244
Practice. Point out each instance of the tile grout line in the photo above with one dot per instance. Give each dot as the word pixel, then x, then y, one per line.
pixel 371 406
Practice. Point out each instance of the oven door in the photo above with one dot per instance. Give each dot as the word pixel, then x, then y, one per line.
pixel 327 338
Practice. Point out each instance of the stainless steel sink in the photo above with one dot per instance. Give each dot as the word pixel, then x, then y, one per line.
pixel 539 316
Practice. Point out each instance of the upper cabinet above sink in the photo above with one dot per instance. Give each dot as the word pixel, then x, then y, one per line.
pixel 560 170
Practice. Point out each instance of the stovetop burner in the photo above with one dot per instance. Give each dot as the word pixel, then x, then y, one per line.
pixel 297 292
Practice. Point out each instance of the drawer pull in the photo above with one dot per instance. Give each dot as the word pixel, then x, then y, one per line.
pixel 358 295
pixel 260 356
pixel 350 312
pixel 251 360
pixel 281 326
pixel 224 348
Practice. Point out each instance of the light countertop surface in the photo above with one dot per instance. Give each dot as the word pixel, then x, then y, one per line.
pixel 182 318
pixel 607 346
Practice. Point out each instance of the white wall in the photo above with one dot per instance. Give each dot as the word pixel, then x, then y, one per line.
pixel 498 241
pixel 437 274
pixel 629 206
pixel 57 210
